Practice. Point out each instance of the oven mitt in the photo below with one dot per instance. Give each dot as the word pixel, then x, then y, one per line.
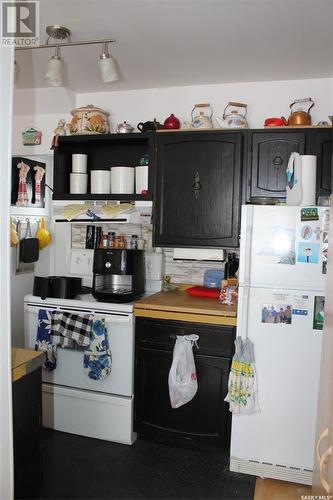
pixel 43 341
pixel 97 359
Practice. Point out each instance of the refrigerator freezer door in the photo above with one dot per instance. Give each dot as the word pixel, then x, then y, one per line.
pixel 278 249
pixel 287 359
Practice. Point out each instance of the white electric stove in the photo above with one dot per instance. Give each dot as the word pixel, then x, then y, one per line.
pixel 74 403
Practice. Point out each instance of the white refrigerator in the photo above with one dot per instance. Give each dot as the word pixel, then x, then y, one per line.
pixel 282 274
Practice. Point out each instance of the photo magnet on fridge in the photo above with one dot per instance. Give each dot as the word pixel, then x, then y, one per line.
pixel 310 213
pixel 318 313
pixel 276 313
pixel 308 253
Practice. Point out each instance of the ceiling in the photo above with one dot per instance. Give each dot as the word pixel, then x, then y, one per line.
pixel 164 43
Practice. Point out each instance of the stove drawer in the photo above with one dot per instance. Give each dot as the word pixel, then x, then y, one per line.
pixel 99 416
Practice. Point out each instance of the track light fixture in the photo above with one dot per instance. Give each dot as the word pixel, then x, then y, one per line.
pixel 54 70
pixel 107 66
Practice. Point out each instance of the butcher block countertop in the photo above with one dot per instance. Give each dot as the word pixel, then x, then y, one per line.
pixel 179 305
pixel 25 361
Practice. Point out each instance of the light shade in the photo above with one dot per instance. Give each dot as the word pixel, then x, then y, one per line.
pixel 54 71
pixel 107 66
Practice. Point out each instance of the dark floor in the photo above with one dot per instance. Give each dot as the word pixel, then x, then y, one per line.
pixel 84 468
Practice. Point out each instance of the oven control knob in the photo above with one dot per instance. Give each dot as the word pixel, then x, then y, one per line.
pixel 108 265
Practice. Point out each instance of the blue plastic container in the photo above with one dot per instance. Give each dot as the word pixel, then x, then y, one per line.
pixel 213 278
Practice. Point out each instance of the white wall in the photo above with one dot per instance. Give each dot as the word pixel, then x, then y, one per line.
pixel 6 427
pixel 40 108
pixel 264 99
pixel 44 107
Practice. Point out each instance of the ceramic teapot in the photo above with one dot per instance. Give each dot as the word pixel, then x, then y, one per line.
pixel 171 122
pixel 232 116
pixel 149 126
pixel 201 120
pixel 298 115
pixel 124 128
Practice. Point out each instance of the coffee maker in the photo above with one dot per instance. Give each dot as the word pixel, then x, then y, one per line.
pixel 118 274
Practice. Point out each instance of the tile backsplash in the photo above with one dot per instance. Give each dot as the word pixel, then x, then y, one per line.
pixel 180 271
pixel 187 271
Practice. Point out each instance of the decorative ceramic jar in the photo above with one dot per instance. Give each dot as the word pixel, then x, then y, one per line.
pixel 89 120
pixel 172 122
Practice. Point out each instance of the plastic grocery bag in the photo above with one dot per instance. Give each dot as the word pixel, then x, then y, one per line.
pixel 183 383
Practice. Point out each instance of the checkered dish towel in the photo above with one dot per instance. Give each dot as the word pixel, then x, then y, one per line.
pixel 67 328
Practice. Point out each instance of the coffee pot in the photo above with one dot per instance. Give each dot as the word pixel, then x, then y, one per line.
pixel 149 126
pixel 124 128
pixel 200 120
pixel 300 112
pixel 233 117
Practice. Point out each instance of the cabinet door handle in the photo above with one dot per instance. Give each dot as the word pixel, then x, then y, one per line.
pixel 277 161
pixel 196 185
pixel 322 464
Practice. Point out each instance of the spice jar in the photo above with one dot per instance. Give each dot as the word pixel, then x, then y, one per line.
pixel 134 242
pixel 104 241
pixel 121 242
pixel 111 239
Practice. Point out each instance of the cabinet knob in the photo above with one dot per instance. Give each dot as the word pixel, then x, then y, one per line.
pixel 277 160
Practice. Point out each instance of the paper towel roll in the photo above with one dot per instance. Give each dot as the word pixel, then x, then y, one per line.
pixel 308 179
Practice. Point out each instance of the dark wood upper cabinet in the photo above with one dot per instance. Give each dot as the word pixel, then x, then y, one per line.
pixel 319 143
pixel 104 151
pixel 198 189
pixel 268 158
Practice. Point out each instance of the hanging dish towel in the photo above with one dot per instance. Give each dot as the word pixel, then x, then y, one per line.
pixel 242 386
pixel 43 340
pixel 97 359
pixel 67 328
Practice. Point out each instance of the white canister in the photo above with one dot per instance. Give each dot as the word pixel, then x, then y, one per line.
pixel 78 183
pixel 122 180
pixel 79 163
pixel 100 182
pixel 141 179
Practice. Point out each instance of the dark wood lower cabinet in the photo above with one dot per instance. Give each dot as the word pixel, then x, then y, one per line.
pixel 27 429
pixel 206 418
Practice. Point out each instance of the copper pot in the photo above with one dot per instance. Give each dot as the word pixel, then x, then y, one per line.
pixel 299 116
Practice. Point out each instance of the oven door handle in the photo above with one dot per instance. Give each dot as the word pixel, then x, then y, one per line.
pixel 109 317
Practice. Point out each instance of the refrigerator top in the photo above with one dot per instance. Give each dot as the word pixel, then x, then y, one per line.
pixel 284 247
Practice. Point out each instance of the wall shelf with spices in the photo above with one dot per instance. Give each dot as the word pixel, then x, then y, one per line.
pixel 103 152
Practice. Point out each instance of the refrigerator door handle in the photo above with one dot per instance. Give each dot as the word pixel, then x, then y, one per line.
pixel 245 255
pixel 242 330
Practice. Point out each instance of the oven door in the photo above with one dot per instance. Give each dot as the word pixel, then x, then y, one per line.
pixel 70 372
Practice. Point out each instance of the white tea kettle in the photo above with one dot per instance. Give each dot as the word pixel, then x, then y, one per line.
pixel 301 180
